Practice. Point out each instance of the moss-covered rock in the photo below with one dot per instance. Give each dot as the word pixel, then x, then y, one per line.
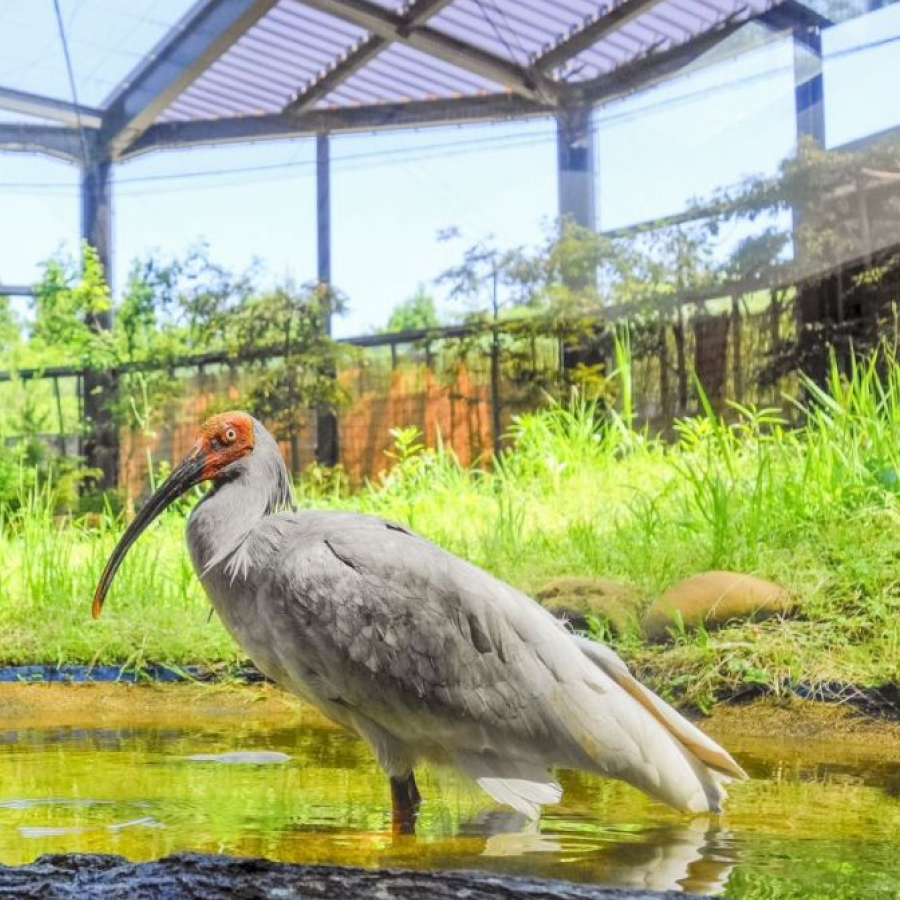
pixel 575 599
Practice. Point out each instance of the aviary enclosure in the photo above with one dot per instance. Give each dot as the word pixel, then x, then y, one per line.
pixel 580 564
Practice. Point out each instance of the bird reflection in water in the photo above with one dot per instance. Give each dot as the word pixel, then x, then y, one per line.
pixel 696 856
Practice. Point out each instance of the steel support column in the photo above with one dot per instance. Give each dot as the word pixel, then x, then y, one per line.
pixel 575 165
pixel 323 210
pixel 809 96
pixel 327 446
pixel 576 189
pixel 819 301
pixel 96 215
pixel 100 444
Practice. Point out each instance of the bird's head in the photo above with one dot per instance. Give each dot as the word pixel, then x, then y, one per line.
pixel 223 441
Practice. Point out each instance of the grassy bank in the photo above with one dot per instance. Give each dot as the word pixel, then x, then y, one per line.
pixel 815 508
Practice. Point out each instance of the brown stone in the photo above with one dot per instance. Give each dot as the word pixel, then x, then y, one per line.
pixel 714 599
pixel 575 598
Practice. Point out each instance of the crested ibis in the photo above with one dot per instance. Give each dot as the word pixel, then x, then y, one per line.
pixel 422 654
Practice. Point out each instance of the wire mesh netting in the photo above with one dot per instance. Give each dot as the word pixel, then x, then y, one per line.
pixel 460 388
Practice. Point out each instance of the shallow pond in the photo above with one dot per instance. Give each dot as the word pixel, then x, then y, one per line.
pixel 816 821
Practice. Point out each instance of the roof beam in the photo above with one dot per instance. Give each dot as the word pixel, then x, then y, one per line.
pixel 15 290
pixel 651 69
pixel 391 26
pixel 200 38
pixel 50 109
pixel 792 14
pixel 171 135
pixel 367 49
pixel 52 140
pixel 329 79
pixel 591 32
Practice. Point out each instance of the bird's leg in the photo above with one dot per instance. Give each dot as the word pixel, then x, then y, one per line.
pixel 414 794
pixel 405 800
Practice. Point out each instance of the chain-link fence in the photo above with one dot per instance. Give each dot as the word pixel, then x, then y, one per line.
pixel 462 385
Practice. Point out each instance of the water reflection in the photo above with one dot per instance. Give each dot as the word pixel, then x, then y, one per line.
pixel 813 822
pixel 696 856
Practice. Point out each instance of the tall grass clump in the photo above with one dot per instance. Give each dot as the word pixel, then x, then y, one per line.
pixel 806 495
pixel 49 565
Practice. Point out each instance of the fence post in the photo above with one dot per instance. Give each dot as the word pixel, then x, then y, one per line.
pixel 681 361
pixel 665 406
pixel 60 423
pixel 736 350
pixel 496 423
pixel 774 320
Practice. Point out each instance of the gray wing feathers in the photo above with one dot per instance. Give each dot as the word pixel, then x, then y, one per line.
pixel 431 656
pixel 430 644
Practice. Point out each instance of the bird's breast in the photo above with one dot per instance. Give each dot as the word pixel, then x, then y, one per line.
pixel 252 617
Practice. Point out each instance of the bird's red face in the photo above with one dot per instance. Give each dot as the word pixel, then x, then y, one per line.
pixel 223 440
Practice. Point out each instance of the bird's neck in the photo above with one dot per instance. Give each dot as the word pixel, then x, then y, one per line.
pixel 222 520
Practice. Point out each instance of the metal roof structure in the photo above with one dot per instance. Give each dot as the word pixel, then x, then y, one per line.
pixel 232 70
pixel 257 69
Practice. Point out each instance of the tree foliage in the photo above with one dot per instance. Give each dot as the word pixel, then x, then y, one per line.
pixel 298 370
pixel 417 313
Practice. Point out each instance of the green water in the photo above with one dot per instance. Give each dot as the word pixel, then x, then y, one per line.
pixel 820 822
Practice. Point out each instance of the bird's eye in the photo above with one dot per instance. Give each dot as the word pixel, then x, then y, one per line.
pixel 230 435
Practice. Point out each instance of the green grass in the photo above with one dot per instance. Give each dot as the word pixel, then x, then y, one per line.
pixel 814 507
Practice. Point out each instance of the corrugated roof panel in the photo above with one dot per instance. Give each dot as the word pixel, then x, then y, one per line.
pixel 294 45
pixel 293 15
pixel 400 74
pixel 511 29
pixel 663 25
pixel 288 48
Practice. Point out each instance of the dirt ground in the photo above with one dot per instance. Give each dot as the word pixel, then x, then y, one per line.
pixel 30 705
pixel 106 704
pixel 801 720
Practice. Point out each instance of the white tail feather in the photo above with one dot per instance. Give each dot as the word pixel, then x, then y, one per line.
pixel 524 786
pixel 671 758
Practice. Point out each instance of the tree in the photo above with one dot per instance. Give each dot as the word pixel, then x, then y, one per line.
pixel 67 303
pixel 298 369
pixel 416 313
pixel 10 327
pixel 845 204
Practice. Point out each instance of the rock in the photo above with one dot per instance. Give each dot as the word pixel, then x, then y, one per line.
pixel 575 599
pixel 195 876
pixel 714 599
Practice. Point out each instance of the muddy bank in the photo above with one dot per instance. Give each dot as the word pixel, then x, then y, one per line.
pixel 189 876
pixel 98 704
pixel 802 720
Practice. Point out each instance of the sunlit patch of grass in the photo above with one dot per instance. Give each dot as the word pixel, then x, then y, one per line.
pixel 50 566
pixel 579 491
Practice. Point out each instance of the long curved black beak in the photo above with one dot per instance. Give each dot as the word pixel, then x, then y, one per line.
pixel 184 477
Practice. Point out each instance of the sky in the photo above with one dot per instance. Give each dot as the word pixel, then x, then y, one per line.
pixel 392 193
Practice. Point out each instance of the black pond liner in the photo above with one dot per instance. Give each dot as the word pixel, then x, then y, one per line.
pixel 881 701
pixel 130 674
